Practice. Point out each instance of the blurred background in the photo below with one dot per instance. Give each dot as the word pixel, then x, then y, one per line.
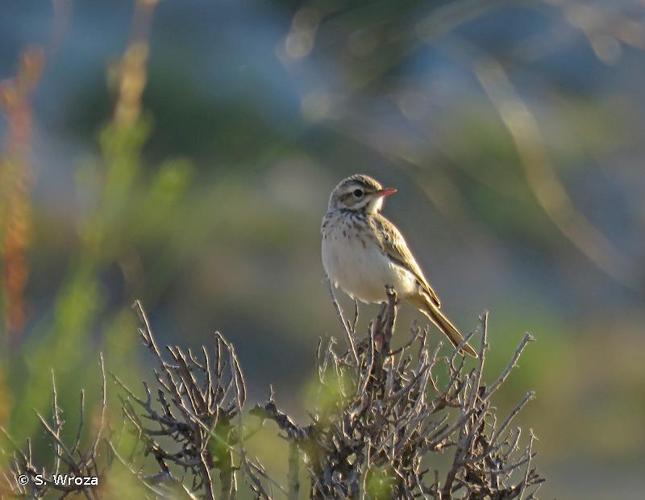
pixel 182 153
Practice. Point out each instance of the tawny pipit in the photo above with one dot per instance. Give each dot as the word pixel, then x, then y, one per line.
pixel 363 252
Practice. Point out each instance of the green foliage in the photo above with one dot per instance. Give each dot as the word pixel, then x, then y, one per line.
pixel 328 396
pixel 379 483
pixel 123 209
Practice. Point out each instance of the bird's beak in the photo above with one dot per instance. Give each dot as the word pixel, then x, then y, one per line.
pixel 385 192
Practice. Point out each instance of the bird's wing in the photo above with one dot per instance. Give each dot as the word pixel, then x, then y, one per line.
pixel 395 246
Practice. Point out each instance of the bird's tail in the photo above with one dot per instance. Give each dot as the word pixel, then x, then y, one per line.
pixel 434 314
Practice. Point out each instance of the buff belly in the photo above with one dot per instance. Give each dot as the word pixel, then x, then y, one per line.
pixel 363 271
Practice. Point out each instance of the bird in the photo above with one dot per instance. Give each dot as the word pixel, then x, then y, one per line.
pixel 363 253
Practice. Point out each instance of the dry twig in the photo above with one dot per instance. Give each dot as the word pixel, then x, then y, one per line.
pixel 391 412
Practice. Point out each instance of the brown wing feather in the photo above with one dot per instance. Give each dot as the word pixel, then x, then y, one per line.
pixel 393 243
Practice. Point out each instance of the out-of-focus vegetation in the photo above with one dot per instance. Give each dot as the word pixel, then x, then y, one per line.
pixel 182 153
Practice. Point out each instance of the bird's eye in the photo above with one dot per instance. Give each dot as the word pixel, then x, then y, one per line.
pixel 358 193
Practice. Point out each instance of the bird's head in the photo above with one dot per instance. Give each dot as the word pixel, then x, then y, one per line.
pixel 361 193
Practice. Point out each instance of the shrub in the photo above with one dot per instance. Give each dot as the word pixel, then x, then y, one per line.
pixel 381 419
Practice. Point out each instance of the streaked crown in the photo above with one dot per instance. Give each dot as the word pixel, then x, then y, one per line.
pixel 359 192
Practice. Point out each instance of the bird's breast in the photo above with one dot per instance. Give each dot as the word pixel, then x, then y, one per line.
pixel 354 261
